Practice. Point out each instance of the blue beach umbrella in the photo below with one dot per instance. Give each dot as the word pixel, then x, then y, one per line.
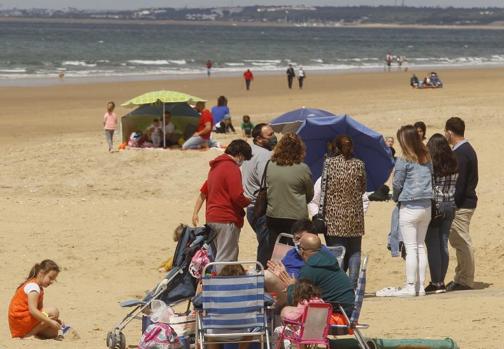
pixel 369 146
pixel 291 121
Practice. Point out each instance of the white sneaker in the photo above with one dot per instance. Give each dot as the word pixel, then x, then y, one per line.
pixel 407 291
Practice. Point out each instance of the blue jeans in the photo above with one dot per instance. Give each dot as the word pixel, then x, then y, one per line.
pixel 195 142
pixel 352 259
pixel 436 241
pixel 262 234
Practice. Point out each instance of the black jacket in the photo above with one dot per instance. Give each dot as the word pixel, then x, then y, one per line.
pixel 465 192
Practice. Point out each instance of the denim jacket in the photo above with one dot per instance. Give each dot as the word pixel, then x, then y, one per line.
pixel 412 181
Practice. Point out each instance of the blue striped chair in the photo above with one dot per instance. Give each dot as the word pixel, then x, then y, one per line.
pixel 233 308
pixel 352 325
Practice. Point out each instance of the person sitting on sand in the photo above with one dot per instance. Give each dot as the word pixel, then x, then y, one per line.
pixel 225 125
pixel 171 135
pixel 202 136
pixel 414 81
pixel 154 133
pixel 27 314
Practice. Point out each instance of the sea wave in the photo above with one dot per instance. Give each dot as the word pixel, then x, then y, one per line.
pixel 79 63
pixel 148 62
pixel 13 70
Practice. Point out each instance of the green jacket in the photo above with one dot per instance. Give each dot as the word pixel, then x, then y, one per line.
pixel 323 271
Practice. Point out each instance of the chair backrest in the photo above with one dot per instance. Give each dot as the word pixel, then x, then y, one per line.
pixel 280 249
pixel 315 322
pixel 359 293
pixel 339 253
pixel 233 302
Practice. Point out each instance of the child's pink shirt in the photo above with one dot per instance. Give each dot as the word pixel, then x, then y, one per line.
pixel 295 313
pixel 110 121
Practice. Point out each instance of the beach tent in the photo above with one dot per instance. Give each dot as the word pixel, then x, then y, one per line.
pixel 291 121
pixel 369 146
pixel 153 105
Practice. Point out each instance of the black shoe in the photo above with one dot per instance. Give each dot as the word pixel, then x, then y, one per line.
pixel 453 286
pixel 434 289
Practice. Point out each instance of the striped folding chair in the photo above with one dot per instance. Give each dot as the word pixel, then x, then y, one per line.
pixel 352 325
pixel 233 308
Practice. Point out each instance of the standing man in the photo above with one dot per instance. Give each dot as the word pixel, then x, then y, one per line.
pixel 225 201
pixel 290 75
pixel 248 76
pixel 465 200
pixel 202 135
pixel 264 140
pixel 209 67
pixel 301 77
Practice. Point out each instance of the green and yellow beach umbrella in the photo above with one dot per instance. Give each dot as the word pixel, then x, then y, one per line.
pixel 162 96
pixel 161 99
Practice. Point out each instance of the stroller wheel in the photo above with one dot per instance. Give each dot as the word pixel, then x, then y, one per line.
pixel 121 341
pixel 111 340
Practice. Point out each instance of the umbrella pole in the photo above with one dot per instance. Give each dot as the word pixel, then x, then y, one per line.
pixel 164 127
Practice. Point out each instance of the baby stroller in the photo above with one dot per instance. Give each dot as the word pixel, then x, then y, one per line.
pixel 176 286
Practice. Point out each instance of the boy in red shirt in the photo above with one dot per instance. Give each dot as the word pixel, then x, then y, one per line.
pixel 225 201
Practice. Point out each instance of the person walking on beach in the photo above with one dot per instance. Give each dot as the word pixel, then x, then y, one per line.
pixel 466 201
pixel 209 65
pixel 264 140
pixel 301 77
pixel 225 199
pixel 27 314
pixel 110 125
pixel 444 164
pixel 412 188
pixel 248 76
pixel 290 76
pixel 201 137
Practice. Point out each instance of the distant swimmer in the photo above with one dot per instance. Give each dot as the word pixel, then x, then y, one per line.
pixel 61 74
pixel 209 65
pixel 388 60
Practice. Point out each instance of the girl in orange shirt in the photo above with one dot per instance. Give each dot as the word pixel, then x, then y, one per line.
pixel 27 315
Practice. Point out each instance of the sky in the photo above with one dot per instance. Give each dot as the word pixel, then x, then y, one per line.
pixel 135 4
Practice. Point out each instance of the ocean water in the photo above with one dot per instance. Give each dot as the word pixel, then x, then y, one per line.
pixel 41 50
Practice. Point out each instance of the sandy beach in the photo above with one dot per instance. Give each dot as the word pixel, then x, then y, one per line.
pixel 107 219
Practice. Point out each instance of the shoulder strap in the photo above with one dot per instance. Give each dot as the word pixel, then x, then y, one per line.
pixel 323 185
pixel 263 179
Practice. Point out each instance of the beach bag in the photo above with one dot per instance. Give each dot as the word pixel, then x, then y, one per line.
pixel 261 203
pixel 159 336
pixel 199 261
pixel 318 220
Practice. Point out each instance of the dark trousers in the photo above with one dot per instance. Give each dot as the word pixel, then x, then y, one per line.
pixel 289 81
pixel 247 84
pixel 436 241
pixel 352 259
pixel 275 227
pixel 262 233
pixel 301 82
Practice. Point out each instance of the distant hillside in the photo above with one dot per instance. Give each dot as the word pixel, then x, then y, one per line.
pixel 294 15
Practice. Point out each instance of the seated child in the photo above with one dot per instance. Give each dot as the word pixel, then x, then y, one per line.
pixel 167 265
pixel 304 293
pixel 246 126
pixel 225 125
pixel 27 314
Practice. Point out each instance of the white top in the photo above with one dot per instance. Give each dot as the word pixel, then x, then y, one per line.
pixel 31 287
pixel 169 128
pixel 301 73
pixel 313 206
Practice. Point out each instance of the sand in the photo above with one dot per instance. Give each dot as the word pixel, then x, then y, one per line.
pixel 107 219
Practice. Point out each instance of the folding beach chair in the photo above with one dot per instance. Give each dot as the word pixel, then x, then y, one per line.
pixel 339 253
pixel 312 329
pixel 233 308
pixel 280 249
pixel 352 325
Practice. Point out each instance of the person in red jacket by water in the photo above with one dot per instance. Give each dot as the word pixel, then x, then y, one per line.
pixel 248 76
pixel 225 201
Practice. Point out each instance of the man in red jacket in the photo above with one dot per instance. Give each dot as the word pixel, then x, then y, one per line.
pixel 225 201
pixel 248 76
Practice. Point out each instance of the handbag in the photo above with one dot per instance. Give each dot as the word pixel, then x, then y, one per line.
pixel 261 203
pixel 318 219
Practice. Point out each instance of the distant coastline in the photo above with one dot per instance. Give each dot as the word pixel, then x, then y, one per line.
pixel 494 26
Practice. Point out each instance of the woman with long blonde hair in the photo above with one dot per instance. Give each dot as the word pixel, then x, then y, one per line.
pixel 412 189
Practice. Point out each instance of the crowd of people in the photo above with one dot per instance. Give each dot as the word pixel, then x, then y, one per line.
pixel 434 187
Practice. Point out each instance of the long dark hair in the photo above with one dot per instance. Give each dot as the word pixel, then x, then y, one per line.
pixel 45 266
pixel 444 161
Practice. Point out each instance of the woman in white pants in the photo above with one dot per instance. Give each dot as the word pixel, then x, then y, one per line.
pixel 412 188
